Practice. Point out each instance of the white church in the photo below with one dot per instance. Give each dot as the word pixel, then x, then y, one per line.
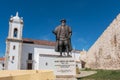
pixel 23 53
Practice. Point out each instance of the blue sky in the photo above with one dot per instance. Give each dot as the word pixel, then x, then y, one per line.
pixel 87 18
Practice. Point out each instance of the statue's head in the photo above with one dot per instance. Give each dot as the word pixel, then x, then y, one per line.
pixel 63 22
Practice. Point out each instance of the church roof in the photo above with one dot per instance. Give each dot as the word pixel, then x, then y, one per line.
pixel 39 42
pixel 2 59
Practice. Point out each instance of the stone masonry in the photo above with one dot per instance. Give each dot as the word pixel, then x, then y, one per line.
pixel 105 52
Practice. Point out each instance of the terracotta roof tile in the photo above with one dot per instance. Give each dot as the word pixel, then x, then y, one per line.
pixel 2 59
pixel 39 42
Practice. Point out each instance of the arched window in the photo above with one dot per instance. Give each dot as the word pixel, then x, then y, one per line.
pixel 15 32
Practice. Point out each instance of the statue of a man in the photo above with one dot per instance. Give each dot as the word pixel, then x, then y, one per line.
pixel 63 38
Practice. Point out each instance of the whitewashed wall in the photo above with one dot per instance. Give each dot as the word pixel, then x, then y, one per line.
pixel 42 60
pixel 30 48
pixel 1 65
pixel 46 63
pixel 13 64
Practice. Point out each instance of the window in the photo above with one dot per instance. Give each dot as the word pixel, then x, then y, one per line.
pixel 8 57
pixel 46 63
pixel 29 66
pixel 30 56
pixel 15 32
pixel 14 47
pixel 13 57
pixel 3 65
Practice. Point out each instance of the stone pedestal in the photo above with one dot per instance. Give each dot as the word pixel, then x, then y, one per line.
pixel 64 67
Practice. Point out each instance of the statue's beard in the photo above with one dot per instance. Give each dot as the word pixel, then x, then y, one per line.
pixel 63 24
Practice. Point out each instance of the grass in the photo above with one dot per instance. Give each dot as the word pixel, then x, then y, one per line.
pixel 104 75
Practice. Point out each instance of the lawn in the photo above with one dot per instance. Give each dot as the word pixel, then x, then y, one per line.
pixel 104 75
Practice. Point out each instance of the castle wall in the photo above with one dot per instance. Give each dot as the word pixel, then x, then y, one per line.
pixel 105 52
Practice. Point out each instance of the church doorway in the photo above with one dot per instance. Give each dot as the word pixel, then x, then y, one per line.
pixel 29 66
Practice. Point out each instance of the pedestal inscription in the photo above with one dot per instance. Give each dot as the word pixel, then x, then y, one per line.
pixel 65 67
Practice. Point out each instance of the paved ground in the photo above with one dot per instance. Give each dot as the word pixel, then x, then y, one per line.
pixel 65 79
pixel 82 74
pixel 85 73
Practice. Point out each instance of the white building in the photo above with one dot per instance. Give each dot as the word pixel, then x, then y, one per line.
pixel 2 67
pixel 28 53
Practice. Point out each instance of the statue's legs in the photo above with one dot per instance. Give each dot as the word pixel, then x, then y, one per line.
pixel 67 49
pixel 60 47
pixel 60 50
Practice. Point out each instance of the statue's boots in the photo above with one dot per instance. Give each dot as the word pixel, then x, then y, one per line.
pixel 68 55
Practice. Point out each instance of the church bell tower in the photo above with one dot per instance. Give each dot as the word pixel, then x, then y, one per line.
pixel 14 43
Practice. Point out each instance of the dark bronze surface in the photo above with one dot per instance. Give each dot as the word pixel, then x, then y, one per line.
pixel 63 38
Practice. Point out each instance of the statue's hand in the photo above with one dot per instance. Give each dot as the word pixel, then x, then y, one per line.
pixel 68 37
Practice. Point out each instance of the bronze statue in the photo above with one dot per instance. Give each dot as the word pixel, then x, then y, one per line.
pixel 63 38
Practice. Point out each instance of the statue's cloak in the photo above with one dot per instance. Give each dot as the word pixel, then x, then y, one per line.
pixel 68 34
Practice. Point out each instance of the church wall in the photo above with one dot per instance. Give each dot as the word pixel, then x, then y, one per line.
pixel 26 49
pixel 105 52
pixel 1 65
pixel 46 63
pixel 43 58
pixel 29 48
pixel 13 56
